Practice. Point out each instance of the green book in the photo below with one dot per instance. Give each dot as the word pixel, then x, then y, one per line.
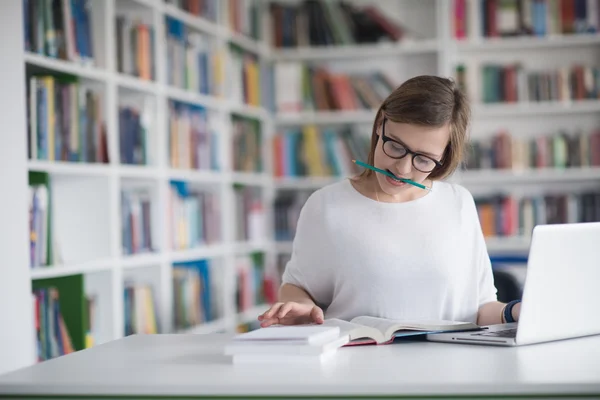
pixel 72 305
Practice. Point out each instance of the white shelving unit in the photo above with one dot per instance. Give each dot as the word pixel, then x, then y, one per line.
pixel 101 185
pixel 106 273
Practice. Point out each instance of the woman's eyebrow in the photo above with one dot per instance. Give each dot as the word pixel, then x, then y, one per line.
pixel 416 151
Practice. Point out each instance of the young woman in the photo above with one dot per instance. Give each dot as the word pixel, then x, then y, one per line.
pixel 371 245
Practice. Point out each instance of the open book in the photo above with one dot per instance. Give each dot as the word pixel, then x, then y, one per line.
pixel 373 330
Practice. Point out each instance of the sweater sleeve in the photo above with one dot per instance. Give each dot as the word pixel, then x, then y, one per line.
pixel 308 267
pixel 486 289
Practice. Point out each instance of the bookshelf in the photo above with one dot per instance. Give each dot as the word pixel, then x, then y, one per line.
pixel 89 194
pixel 112 218
pixel 459 41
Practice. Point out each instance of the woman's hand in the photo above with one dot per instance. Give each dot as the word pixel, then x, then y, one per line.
pixel 291 313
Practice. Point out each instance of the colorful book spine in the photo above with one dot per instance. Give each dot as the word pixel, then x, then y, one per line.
pixel 311 152
pixel 193 61
pixel 247 145
pixel 301 87
pixel 512 83
pixel 194 216
pixel 558 150
pixel 194 294
pixel 504 18
pixel 193 140
pixel 255 282
pixel 135 47
pixel 249 214
pixel 59 29
pixel 66 121
pixel 136 221
pixel 140 309
pixel 328 23
pixel 516 216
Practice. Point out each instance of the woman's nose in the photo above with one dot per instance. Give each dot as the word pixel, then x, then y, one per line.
pixel 404 166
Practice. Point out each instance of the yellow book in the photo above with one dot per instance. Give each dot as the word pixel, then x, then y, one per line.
pixel 218 73
pixel 150 311
pixel 253 83
pixel 312 151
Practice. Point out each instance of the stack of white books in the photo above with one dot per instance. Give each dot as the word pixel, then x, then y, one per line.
pixel 286 344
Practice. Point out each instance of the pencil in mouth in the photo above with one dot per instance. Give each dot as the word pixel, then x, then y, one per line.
pixel 394 176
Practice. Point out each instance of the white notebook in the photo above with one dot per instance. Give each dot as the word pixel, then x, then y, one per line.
pixel 284 349
pixel 297 334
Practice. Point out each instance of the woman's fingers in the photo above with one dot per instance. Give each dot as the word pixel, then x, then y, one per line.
pixel 286 308
pixel 317 315
pixel 270 312
pixel 269 322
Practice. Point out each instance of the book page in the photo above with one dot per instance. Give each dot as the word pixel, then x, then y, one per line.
pixel 388 326
pixel 355 331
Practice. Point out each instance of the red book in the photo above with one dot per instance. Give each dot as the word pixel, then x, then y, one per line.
pixel 393 30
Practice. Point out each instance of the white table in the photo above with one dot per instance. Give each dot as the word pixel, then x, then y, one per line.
pixel 193 365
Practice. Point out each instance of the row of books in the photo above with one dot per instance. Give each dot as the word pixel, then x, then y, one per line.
pixel 64 315
pixel 249 214
pixel 307 151
pixel 43 245
pixel 140 309
pixel 66 120
pixel 509 216
pixel 136 221
pixel 194 216
pixel 286 211
pixel 52 336
pixel 559 150
pixel 502 18
pixel 39 211
pixel 134 126
pixel 59 29
pixel 245 78
pixel 324 23
pixel 246 144
pixel 193 292
pixel 254 283
pixel 245 18
pixel 193 62
pixel 512 83
pixel 136 49
pixel 301 87
pixel 201 8
pixel 193 140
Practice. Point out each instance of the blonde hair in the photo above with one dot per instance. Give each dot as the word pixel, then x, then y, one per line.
pixel 428 100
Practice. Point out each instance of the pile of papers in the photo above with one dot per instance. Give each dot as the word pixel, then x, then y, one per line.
pixel 286 344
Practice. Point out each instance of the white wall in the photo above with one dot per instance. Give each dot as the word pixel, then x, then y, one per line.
pixel 16 318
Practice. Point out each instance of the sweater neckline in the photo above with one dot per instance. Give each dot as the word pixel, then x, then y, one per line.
pixel 421 200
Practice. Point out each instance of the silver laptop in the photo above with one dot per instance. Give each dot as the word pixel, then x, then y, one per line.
pixel 560 296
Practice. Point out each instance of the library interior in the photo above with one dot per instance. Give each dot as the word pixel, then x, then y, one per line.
pixel 197 130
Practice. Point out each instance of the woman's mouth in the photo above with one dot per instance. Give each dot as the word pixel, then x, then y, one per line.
pixel 393 181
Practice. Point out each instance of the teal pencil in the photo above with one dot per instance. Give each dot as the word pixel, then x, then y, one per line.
pixel 362 164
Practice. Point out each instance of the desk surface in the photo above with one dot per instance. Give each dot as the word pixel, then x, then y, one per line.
pixel 193 365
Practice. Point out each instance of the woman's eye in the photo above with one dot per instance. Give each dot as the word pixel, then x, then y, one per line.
pixel 423 160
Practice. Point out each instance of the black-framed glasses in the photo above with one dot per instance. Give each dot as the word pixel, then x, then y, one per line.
pixel 396 150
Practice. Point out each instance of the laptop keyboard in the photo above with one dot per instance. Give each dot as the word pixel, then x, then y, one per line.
pixel 505 333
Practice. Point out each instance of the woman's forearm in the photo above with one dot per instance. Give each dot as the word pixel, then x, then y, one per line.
pixel 489 313
pixel 289 292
